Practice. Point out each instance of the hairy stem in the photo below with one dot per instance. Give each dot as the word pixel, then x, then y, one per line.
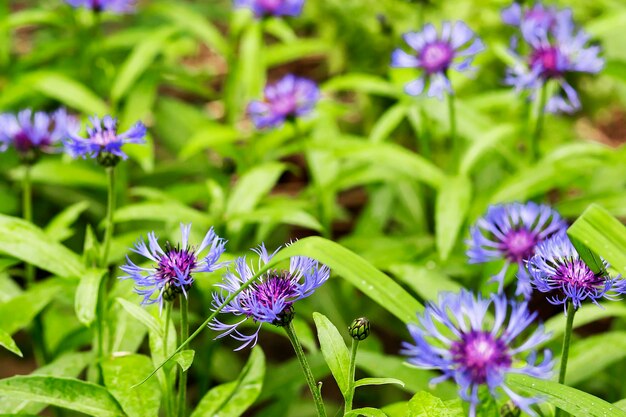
pixel 308 374
pixel 565 350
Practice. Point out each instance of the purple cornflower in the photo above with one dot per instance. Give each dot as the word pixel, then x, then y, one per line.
pixel 456 337
pixel 557 268
pixel 556 48
pixel 286 99
pixel 104 142
pixel 173 268
pixel 436 54
pixel 115 6
pixel 262 8
pixel 270 298
pixel 511 232
pixel 535 18
pixel 32 134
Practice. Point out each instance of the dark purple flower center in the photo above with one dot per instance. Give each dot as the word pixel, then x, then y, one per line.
pixel 519 244
pixel 549 59
pixel 269 6
pixel 277 286
pixel 576 273
pixel 175 262
pixel 478 353
pixel 24 143
pixel 436 57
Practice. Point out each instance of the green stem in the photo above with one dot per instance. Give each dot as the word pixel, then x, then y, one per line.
pixel 565 350
pixel 533 147
pixel 308 375
pixel 169 398
pixel 184 334
pixel 350 394
pixel 108 231
pixel 39 346
pixel 454 140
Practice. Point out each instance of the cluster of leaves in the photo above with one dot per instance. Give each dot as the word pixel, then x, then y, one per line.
pixel 363 171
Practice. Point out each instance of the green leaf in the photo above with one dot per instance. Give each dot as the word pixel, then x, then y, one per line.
pixel 588 356
pixel 377 381
pixel 356 270
pixel 365 83
pixel 8 343
pixel 86 298
pixel 334 350
pixel 140 58
pixel 69 92
pixel 25 241
pixel 603 234
pixel 165 211
pixel 208 136
pixel 18 312
pixel 57 172
pixel 69 393
pixel 388 122
pixel 184 358
pixel 453 201
pixel 119 374
pixel 424 404
pixel 588 313
pixel 68 365
pixel 279 54
pixel 59 228
pixel 366 411
pixel 252 186
pixel 142 315
pixel 576 402
pixel 234 398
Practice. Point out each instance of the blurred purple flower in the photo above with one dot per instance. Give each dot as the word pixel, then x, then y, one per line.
pixel 556 48
pixel 557 268
pixel 270 298
pixel 262 8
pixel 31 134
pixel 173 269
pixel 436 54
pixel 286 99
pixel 511 232
pixel 456 337
pixel 104 142
pixel 115 6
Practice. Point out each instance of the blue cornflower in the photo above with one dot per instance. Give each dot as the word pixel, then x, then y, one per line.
pixel 511 232
pixel 115 6
pixel 535 18
pixel 556 48
pixel 270 298
pixel 286 99
pixel 436 54
pixel 456 337
pixel 173 269
pixel 262 8
pixel 557 268
pixel 31 134
pixel 104 142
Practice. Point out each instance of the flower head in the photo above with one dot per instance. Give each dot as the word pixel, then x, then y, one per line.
pixel 556 268
pixel 288 98
pixel 115 6
pixel 104 142
pixel 456 337
pixel 555 48
pixel 262 8
pixel 537 18
pixel 511 232
pixel 32 134
pixel 435 54
pixel 270 298
pixel 173 267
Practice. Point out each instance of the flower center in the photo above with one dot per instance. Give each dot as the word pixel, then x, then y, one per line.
pixel 104 137
pixel 175 263
pixel 436 57
pixel 284 105
pixel 23 142
pixel 549 60
pixel 576 273
pixel 519 244
pixel 277 286
pixel 478 352
pixel 270 5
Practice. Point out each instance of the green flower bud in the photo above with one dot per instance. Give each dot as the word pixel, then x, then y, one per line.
pixel 285 317
pixel 360 328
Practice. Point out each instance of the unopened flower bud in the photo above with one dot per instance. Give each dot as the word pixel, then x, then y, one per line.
pixel 360 328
